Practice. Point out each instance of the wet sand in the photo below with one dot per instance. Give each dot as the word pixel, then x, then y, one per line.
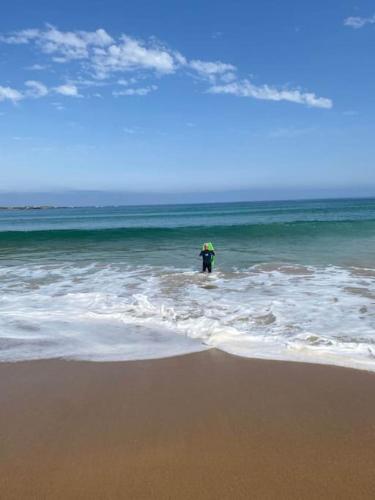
pixel 201 426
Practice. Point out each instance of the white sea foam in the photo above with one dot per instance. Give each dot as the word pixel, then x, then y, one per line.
pixel 106 312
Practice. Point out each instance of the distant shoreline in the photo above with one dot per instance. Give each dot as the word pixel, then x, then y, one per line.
pixel 168 204
pixel 31 207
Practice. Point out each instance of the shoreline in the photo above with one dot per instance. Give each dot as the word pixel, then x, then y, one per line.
pixel 202 425
pixel 84 361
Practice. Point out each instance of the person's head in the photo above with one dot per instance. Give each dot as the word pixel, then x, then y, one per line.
pixel 205 246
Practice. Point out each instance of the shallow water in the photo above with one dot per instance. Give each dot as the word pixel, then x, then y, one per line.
pixel 293 280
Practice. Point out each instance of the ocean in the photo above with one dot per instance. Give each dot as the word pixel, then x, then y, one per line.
pixel 293 280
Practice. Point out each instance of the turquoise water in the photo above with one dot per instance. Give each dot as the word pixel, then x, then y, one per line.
pixel 293 280
pixel 314 232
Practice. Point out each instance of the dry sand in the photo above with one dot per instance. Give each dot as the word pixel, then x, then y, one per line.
pixel 201 426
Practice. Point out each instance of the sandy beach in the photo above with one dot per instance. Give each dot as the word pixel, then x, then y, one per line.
pixel 203 426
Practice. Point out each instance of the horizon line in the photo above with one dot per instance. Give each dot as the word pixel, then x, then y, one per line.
pixel 266 200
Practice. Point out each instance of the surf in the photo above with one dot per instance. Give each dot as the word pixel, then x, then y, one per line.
pixel 108 312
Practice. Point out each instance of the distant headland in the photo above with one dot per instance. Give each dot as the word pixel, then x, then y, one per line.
pixel 30 207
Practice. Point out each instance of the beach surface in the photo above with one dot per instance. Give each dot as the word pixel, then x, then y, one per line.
pixel 201 426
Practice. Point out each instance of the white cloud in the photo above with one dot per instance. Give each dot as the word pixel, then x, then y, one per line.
pixel 212 70
pixel 228 77
pixel 20 37
pixel 10 94
pixel 58 106
pixel 129 55
pixel 139 91
pixel 35 89
pixel 180 59
pixel 21 138
pixel 101 57
pixel 358 22
pixel 245 88
pixel 127 82
pixel 85 82
pixel 36 67
pixel 67 45
pixel 131 130
pixel 67 89
pixel 105 55
pixel 100 49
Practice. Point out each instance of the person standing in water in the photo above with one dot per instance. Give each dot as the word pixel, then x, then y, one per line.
pixel 207 256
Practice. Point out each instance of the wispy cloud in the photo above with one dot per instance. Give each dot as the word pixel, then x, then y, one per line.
pixel 130 55
pixel 21 138
pixel 128 81
pixel 36 67
pixel 105 60
pixel 245 88
pixel 58 106
pixel 67 89
pixel 357 22
pixel 104 53
pixel 137 91
pixel 35 89
pixel 20 37
pixel 63 45
pixel 131 130
pixel 211 70
pixel 10 94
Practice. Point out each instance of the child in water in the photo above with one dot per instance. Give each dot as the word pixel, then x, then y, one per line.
pixel 207 256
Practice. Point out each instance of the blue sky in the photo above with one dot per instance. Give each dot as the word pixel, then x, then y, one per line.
pixel 187 96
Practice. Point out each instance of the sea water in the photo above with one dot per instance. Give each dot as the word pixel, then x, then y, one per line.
pixel 293 281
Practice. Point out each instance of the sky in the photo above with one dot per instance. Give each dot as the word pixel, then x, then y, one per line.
pixel 188 97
